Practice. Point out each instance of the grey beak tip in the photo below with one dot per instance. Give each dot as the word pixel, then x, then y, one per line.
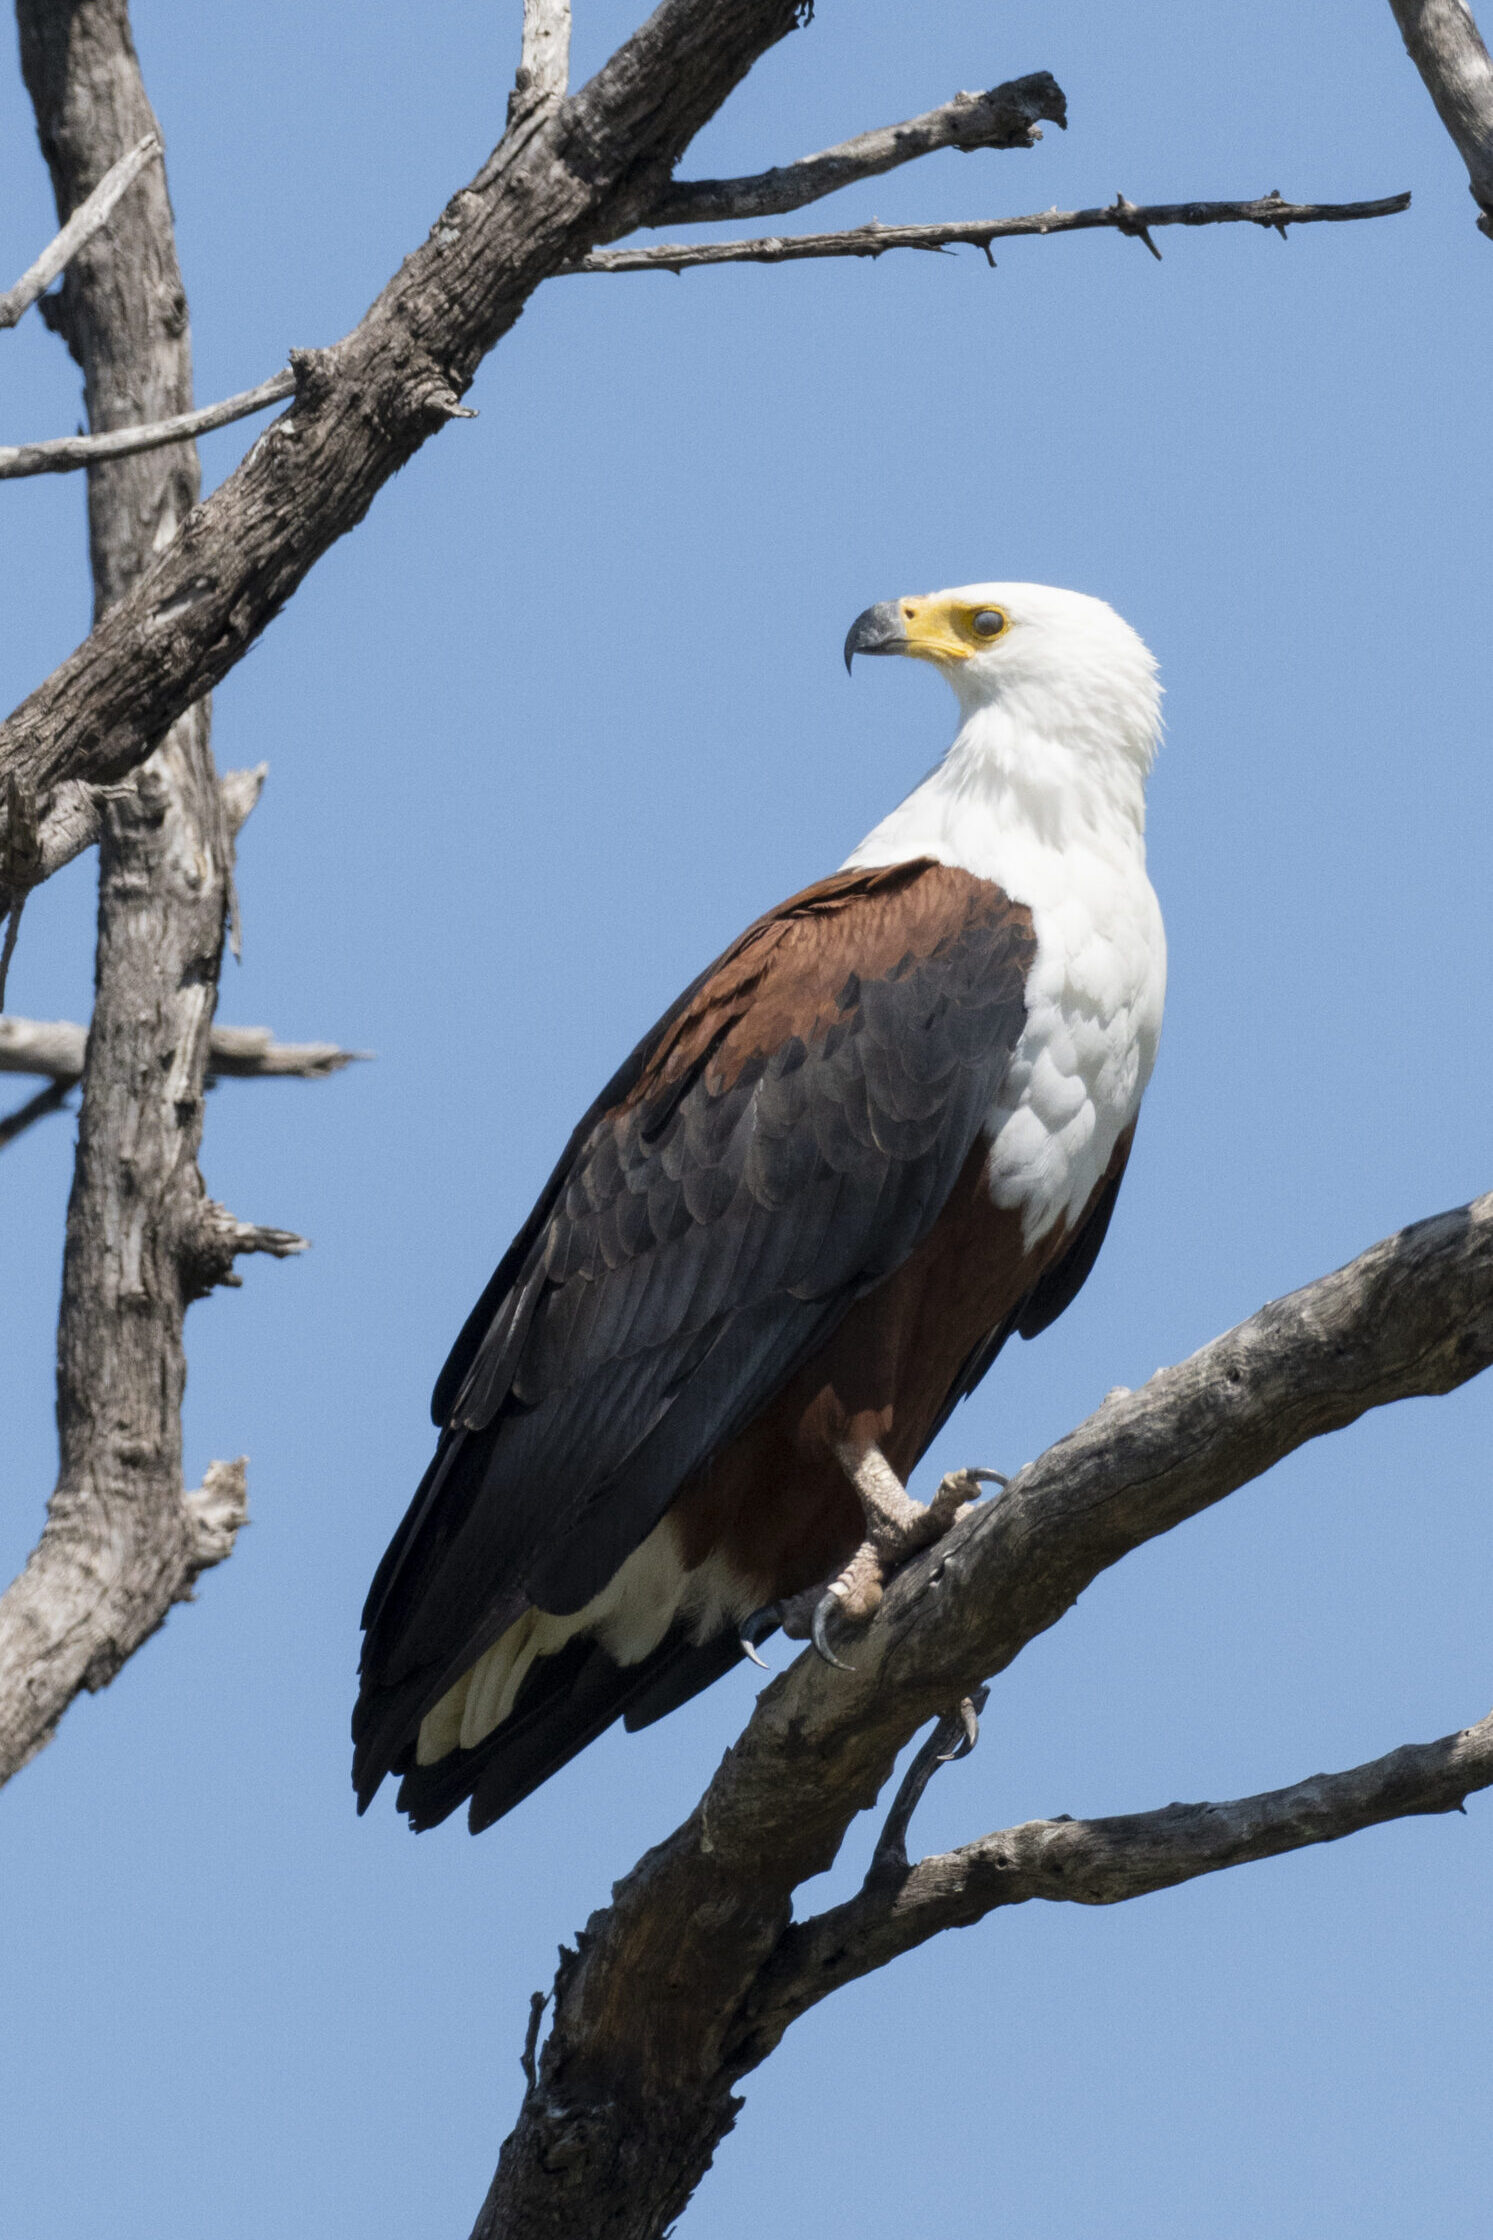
pixel 879 630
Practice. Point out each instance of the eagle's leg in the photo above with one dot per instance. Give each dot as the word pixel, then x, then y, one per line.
pixel 897 1528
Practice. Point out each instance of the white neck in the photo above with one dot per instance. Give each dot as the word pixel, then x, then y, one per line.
pixel 1007 779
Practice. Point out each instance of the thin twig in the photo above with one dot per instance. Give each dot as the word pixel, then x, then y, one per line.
pixel 1443 41
pixel 81 226
pixel 875 239
pixel 55 1048
pixel 65 454
pixel 50 1099
pixel 538 2001
pixel 1005 117
pixel 1106 1862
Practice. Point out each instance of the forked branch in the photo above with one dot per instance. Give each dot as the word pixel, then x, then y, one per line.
pixel 1008 116
pixel 1104 1862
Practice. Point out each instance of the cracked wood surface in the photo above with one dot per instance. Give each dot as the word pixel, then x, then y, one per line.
pixel 123 1539
pixel 668 1999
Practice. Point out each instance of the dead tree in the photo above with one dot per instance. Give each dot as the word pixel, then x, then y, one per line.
pixel 688 1980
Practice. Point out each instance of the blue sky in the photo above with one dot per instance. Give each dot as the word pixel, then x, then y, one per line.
pixel 564 713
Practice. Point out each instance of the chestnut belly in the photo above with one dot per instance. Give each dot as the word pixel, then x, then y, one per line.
pixel 775 1507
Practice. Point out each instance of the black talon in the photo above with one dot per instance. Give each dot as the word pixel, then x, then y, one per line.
pixel 971 1735
pixel 756 1626
pixel 820 1639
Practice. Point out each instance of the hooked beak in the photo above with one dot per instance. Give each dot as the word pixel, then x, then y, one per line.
pixel 880 629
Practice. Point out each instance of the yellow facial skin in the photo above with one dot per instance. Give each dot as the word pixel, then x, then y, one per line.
pixel 942 630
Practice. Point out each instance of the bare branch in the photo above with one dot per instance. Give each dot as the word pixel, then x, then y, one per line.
pixel 40 1107
pixel 1443 41
pixel 1104 1862
pixel 55 1048
pixel 71 823
pixel 1005 117
pixel 656 2009
pixel 544 66
pixel 875 239
pixel 65 454
pixel 92 1593
pixel 566 177
pixel 81 226
pixel 123 1541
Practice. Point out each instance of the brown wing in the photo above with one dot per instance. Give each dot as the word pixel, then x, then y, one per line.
pixel 777 1146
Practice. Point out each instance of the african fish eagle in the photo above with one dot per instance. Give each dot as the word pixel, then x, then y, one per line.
pixel 879 1134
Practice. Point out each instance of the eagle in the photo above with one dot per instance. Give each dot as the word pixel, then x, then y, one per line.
pixel 880 1134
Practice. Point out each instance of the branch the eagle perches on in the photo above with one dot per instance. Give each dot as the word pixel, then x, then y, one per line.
pixel 687 1981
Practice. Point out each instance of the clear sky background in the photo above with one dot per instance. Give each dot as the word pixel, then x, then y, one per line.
pixel 561 716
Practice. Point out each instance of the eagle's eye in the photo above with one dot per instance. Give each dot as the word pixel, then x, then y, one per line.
pixel 988 623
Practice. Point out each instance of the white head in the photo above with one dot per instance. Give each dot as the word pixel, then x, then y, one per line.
pixel 1057 665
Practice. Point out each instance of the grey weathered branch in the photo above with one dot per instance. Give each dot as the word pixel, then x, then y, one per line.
pixel 65 454
pixel 668 2001
pixel 55 1049
pixel 1008 116
pixel 1104 1862
pixel 25 1115
pixel 544 65
pixel 81 226
pixel 71 822
pixel 874 239
pixel 1005 117
pixel 568 175
pixel 123 1540
pixel 1444 43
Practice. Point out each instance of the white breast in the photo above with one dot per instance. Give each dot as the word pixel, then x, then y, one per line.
pixel 1094 999
pixel 1062 830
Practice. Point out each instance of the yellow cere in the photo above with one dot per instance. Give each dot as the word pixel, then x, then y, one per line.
pixel 948 629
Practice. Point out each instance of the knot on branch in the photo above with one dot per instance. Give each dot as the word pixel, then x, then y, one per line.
pixel 315 374
pixel 1126 215
pixel 239 792
pixel 1007 116
pixel 433 401
pixel 216 1239
pixel 214 1514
